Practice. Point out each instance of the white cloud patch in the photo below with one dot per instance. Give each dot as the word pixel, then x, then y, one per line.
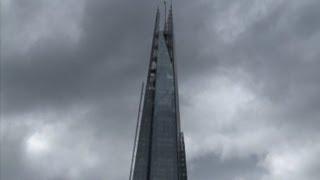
pixel 293 162
pixel 37 144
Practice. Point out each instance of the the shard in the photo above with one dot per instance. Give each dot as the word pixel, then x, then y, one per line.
pixel 159 152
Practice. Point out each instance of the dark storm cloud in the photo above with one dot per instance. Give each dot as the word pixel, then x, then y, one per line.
pixel 56 71
pixel 284 60
pixel 100 71
pixel 71 73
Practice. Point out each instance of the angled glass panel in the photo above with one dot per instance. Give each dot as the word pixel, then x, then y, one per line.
pixel 164 164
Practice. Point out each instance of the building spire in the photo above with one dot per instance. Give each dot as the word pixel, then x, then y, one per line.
pixel 156 23
pixel 165 14
pixel 160 142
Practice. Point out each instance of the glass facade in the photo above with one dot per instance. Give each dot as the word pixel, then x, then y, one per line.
pixel 164 136
pixel 160 152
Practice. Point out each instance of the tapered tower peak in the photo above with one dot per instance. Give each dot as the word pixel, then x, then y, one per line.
pixel 159 152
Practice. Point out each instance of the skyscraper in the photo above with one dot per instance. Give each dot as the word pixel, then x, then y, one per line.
pixel 159 152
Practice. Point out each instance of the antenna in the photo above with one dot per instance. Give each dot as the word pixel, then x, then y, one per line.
pixel 165 12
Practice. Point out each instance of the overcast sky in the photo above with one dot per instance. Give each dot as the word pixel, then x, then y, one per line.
pixel 249 83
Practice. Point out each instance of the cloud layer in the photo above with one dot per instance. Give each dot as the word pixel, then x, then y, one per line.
pixel 248 75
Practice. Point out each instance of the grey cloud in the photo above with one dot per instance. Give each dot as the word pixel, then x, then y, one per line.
pixel 86 87
pixel 212 167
